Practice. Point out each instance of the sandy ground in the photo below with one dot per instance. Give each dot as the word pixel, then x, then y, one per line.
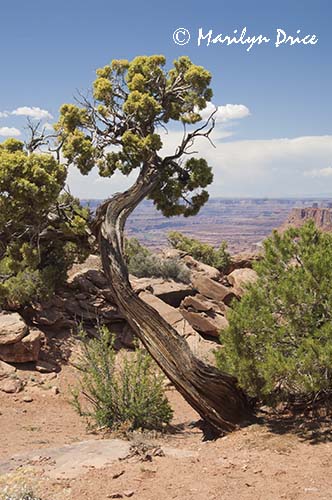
pixel 264 461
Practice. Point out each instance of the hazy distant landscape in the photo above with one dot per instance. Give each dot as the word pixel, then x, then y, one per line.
pixel 243 223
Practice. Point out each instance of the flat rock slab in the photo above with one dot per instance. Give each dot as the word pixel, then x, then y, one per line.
pixel 72 460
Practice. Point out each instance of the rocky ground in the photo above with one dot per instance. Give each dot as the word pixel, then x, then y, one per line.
pixel 267 460
pixel 43 440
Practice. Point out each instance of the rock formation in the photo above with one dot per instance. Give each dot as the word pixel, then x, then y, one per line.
pixel 322 218
pixel 18 343
pixel 198 311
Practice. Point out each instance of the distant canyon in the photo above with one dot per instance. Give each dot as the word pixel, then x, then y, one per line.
pixel 243 222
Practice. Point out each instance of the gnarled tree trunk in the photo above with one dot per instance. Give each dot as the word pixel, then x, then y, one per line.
pixel 214 395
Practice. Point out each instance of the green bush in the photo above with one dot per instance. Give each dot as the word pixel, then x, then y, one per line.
pixel 279 340
pixel 144 264
pixel 129 392
pixel 203 252
pixel 42 231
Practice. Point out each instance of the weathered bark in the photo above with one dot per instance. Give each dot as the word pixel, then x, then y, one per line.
pixel 214 395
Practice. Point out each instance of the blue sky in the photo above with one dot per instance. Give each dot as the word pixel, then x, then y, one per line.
pixel 280 144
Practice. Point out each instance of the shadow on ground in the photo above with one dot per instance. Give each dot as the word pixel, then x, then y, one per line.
pixel 312 428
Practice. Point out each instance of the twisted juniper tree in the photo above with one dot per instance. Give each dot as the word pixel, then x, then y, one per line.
pixel 119 129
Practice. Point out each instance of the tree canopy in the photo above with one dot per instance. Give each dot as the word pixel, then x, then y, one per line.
pixel 119 128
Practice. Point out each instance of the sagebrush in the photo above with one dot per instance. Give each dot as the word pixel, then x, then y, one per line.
pixel 19 493
pixel 112 392
pixel 144 264
pixel 18 486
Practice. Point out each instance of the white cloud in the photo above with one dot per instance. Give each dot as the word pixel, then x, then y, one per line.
pixel 244 168
pixel 271 167
pixel 319 172
pixel 225 113
pixel 4 114
pixel 33 112
pixel 262 167
pixel 9 132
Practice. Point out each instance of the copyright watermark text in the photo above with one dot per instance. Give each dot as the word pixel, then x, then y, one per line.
pixel 182 36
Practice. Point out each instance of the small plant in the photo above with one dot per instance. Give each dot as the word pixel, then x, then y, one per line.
pixel 144 264
pixel 21 493
pixel 129 392
pixel 15 486
pixel 203 252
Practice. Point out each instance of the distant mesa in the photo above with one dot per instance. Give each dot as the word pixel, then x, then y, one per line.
pixel 322 217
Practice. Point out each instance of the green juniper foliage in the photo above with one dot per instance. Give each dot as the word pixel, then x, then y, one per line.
pixel 128 392
pixel 144 264
pixel 120 129
pixel 203 252
pixel 42 232
pixel 279 341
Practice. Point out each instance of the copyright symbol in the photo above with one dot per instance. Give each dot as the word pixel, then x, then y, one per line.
pixel 181 36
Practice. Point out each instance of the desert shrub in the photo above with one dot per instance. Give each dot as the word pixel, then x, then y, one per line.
pixel 24 286
pixel 134 247
pixel 19 484
pixel 279 340
pixel 42 231
pixel 203 252
pixel 15 486
pixel 112 393
pixel 20 493
pixel 144 264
